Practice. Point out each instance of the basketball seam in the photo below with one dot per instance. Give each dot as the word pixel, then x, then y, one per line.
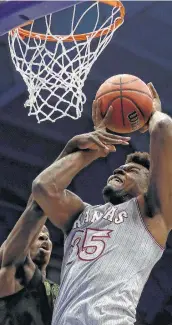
pixel 132 102
pixel 128 89
pixel 122 108
pixel 123 83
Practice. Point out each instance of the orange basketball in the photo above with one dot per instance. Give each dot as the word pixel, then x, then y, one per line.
pixel 131 100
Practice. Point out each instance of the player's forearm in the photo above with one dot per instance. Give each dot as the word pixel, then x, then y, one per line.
pixel 59 175
pixel 23 234
pixel 160 172
pixel 159 122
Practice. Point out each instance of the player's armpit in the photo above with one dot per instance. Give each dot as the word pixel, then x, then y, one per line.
pixel 160 188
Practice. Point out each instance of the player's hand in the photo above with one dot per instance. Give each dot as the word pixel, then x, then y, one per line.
pixel 156 105
pixel 99 140
pixel 98 120
pixel 156 98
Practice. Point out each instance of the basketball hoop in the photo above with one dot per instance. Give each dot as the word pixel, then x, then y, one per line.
pixel 55 67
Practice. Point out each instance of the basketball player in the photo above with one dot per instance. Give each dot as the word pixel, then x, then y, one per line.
pixel 109 249
pixel 26 297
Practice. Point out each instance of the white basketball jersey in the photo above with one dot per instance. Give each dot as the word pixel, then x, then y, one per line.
pixel 108 257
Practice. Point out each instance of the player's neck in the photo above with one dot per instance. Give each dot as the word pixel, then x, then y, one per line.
pixel 42 269
pixel 43 272
pixel 122 199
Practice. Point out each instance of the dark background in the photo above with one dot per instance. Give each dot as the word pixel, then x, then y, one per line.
pixel 143 47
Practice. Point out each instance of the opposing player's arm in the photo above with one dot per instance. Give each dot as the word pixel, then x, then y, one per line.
pixel 14 250
pixel 160 189
pixel 50 187
pixel 27 228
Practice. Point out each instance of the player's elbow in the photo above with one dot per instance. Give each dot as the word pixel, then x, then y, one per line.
pixel 38 189
pixel 42 190
pixel 165 123
pixel 162 131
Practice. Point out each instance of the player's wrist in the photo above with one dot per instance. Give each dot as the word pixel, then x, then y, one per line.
pixel 91 155
pixel 71 146
pixel 75 144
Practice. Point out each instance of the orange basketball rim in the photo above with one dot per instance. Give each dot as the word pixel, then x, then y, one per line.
pixel 77 37
pixel 55 67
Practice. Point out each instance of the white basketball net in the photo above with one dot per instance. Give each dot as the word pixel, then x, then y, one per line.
pixel 55 72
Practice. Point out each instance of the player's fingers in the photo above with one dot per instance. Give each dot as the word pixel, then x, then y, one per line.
pixel 98 112
pixel 113 136
pixel 112 147
pixel 94 105
pixel 153 90
pixel 109 148
pixel 108 140
pixel 95 140
pixel 102 145
pixel 108 116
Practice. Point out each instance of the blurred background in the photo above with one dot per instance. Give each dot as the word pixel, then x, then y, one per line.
pixel 142 47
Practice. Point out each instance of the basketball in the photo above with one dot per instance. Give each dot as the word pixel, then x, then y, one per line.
pixel 131 100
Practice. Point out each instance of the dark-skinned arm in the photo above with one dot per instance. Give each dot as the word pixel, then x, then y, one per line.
pixel 27 228
pixel 50 187
pixel 15 249
pixel 160 189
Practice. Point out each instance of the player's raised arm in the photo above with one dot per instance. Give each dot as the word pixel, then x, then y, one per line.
pixel 159 194
pixel 50 187
pixel 14 250
pixel 27 228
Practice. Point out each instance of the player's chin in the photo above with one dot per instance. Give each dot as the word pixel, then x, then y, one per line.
pixel 113 195
pixel 45 254
pixel 42 257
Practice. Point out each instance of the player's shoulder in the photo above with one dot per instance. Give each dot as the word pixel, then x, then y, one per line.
pixel 71 222
pixel 88 208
